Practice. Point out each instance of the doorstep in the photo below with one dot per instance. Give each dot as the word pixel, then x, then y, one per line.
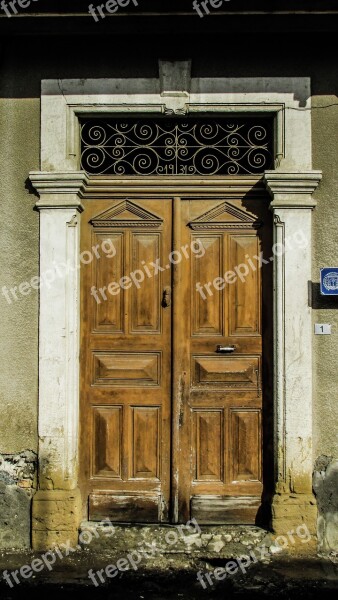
pixel 190 539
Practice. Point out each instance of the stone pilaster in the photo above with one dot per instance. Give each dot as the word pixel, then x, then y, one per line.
pixel 292 205
pixel 56 505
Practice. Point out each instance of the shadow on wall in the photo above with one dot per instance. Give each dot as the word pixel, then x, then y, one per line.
pixel 325 487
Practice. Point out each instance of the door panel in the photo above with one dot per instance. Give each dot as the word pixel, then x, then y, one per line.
pixel 244 296
pixel 219 427
pixel 245 427
pixel 207 317
pixel 145 303
pixel 109 313
pixel 126 358
pixel 208 439
pixel 107 430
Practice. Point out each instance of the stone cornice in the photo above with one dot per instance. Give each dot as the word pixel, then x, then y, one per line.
pixel 66 189
pixel 228 186
pixel 292 189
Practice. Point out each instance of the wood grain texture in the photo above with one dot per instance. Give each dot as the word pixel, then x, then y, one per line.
pixel 221 402
pixel 213 510
pixel 170 428
pixel 125 508
pixel 126 361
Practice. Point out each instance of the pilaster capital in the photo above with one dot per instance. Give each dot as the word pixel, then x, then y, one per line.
pixel 59 190
pixel 292 189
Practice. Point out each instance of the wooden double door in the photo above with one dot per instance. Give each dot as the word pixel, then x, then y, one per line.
pixel 171 359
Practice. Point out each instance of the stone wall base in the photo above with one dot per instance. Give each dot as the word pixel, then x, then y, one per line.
pixel 325 485
pixel 17 487
pixel 56 518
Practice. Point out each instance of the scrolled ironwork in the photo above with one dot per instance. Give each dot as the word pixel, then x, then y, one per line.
pixel 167 146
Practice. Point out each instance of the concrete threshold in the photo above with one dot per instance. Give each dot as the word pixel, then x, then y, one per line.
pixel 189 539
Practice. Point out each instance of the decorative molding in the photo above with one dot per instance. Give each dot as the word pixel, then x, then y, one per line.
pixel 176 103
pixel 174 92
pixel 179 111
pixel 239 220
pixel 112 217
pixel 59 190
pixel 67 182
pixel 292 189
pixel 231 187
pixel 279 354
pixel 73 221
pixel 72 348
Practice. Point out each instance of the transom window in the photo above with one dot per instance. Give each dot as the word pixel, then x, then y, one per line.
pixel 181 146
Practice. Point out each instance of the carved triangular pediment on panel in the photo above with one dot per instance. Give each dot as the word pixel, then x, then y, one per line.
pixel 225 216
pixel 126 214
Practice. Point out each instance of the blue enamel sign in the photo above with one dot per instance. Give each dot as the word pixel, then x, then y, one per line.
pixel 329 281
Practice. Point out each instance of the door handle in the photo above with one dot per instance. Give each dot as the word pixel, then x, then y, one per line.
pixel 166 298
pixel 225 349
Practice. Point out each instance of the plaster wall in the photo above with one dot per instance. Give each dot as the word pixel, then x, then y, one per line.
pixel 19 135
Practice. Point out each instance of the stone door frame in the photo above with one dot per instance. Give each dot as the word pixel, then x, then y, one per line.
pixel 57 505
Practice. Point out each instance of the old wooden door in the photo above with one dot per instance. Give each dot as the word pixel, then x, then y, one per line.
pixel 126 360
pixel 218 366
pixel 171 389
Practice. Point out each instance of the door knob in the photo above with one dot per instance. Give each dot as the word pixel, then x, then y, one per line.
pixel 225 349
pixel 166 298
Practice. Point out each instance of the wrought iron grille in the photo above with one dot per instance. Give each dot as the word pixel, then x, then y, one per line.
pixel 188 146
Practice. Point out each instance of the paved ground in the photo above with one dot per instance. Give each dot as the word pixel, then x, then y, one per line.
pixel 172 577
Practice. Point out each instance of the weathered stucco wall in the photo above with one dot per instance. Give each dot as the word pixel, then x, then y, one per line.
pixel 19 134
pixel 325 310
pixel 325 253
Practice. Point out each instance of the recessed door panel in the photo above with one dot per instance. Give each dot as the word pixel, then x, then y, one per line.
pixel 109 309
pixel 107 436
pixel 207 316
pixel 145 291
pixel 244 293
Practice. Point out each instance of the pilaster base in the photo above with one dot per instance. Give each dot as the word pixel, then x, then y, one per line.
pixel 56 518
pixel 296 515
